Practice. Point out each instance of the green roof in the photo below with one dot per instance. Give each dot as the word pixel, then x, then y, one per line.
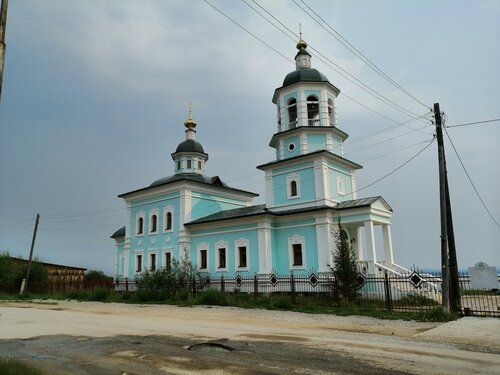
pixel 190 145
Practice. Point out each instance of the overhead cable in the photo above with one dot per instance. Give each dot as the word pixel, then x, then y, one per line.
pixel 470 180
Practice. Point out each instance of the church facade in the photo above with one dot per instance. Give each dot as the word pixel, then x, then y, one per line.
pixel 310 189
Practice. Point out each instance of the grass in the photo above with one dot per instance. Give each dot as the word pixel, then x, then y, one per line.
pixel 13 367
pixel 304 304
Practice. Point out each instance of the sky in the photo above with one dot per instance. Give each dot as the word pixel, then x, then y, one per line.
pixel 95 94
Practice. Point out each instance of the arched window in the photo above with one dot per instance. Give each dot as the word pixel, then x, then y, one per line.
pixel 293 188
pixel 140 225
pixel 154 223
pixel 340 186
pixel 188 164
pixel 330 112
pixel 279 115
pixel 312 110
pixel 292 113
pixel 168 221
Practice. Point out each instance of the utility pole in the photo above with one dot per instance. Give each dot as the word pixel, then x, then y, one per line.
pixel 3 24
pixel 445 288
pixel 24 283
pixel 455 300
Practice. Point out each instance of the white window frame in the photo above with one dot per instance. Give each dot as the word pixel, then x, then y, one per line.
pixel 166 210
pixel 139 215
pixel 296 240
pixel 136 254
pixel 292 177
pixel 202 246
pixel 164 257
pixel 242 242
pixel 340 186
pixel 150 253
pixel 153 212
pixel 221 245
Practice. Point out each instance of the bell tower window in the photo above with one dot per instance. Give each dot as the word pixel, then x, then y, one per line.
pixel 312 110
pixel 330 112
pixel 293 188
pixel 292 113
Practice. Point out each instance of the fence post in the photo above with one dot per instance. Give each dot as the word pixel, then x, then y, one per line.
pixel 255 286
pixel 222 285
pixel 388 297
pixel 292 280
pixel 336 290
pixel 126 284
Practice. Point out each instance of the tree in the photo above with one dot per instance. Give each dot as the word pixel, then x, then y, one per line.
pixel 344 267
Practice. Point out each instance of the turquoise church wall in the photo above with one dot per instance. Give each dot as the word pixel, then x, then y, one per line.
pixel 316 142
pixel 236 233
pixel 307 191
pixel 280 249
pixel 296 146
pixel 206 204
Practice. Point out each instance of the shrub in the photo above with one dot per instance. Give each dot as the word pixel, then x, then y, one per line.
pixel 12 367
pixel 165 283
pixel 99 294
pixel 213 297
pixel 12 272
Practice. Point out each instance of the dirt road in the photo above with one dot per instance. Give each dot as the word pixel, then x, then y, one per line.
pixel 93 338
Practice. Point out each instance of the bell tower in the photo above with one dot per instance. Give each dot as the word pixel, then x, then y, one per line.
pixel 310 169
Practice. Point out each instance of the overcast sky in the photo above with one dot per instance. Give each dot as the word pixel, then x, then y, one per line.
pixel 95 96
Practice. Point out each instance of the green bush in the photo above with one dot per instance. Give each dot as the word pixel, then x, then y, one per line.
pixel 165 284
pixel 99 294
pixel 12 367
pixel 12 272
pixel 213 297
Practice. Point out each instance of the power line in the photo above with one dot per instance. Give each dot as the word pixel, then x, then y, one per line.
pixel 395 151
pixel 344 73
pixel 248 31
pixel 470 179
pixel 357 53
pixel 395 170
pixel 474 123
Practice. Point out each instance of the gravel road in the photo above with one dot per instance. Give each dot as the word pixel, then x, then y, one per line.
pixel 68 337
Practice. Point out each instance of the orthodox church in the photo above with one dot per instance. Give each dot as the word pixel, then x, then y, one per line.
pixel 310 188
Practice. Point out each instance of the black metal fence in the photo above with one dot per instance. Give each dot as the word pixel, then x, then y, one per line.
pixel 410 292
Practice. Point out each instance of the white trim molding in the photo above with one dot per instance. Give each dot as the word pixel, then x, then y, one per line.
pixel 139 215
pixel 202 246
pixel 138 253
pixel 153 212
pixel 294 177
pixel 296 240
pixel 166 210
pixel 221 245
pixel 242 242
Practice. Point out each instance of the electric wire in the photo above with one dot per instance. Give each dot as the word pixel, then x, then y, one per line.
pixel 332 65
pixel 470 180
pixel 357 53
pixel 248 31
pixel 474 123
pixel 396 169
pixel 394 151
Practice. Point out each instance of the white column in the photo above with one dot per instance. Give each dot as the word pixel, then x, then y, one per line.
pixel 265 256
pixel 320 179
pixel 184 241
pixel 386 234
pixel 304 146
pixel 269 189
pixel 370 246
pixel 359 245
pixel 325 244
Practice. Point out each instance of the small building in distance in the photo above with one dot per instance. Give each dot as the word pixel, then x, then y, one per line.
pixel 57 272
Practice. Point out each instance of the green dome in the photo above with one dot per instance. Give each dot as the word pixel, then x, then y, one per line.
pixel 304 75
pixel 190 145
